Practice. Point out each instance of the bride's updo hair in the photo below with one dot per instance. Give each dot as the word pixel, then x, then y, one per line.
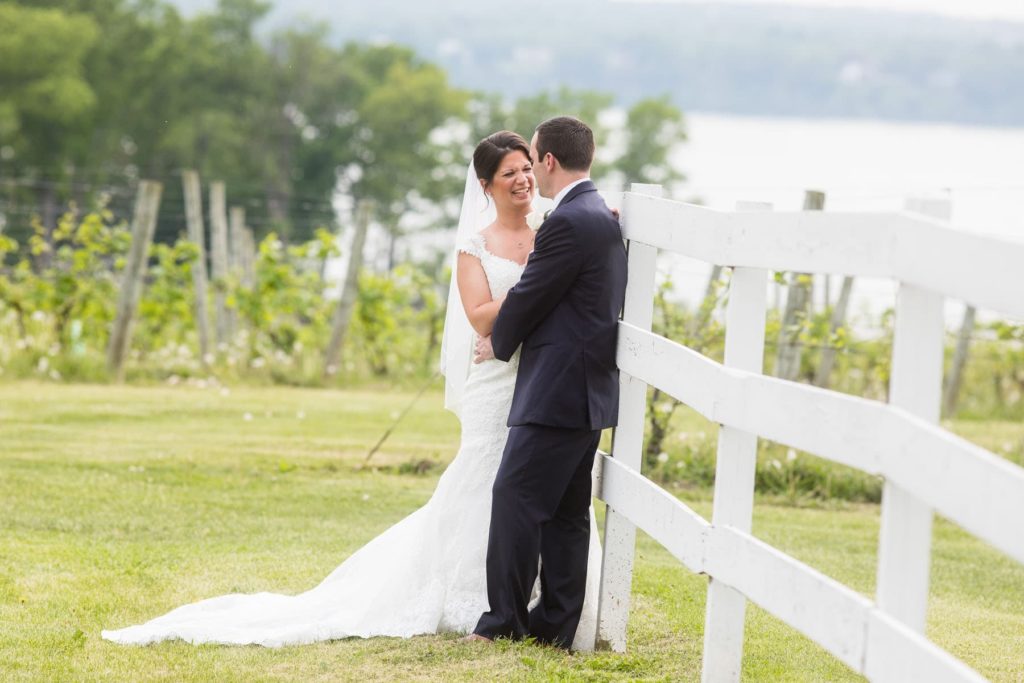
pixel 493 148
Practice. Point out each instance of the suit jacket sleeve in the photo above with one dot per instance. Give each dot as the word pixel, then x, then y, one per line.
pixel 554 264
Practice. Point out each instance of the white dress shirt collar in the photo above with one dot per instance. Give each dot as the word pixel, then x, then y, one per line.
pixel 565 190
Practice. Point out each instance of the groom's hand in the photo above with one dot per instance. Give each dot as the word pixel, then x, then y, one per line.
pixel 483 350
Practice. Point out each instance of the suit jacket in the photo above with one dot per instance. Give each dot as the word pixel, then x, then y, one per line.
pixel 565 311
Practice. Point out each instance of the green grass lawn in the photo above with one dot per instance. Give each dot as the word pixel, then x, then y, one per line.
pixel 120 503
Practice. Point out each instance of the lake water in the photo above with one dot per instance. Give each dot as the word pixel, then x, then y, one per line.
pixel 861 166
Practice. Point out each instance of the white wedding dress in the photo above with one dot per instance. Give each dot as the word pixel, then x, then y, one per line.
pixel 426 574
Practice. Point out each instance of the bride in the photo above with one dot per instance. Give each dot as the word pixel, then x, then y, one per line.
pixel 426 574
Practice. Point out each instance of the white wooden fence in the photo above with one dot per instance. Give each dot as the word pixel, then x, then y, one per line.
pixel 926 469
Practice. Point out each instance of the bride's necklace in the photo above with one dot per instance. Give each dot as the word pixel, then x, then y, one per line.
pixel 520 243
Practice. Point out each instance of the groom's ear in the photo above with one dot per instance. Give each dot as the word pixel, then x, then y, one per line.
pixel 550 162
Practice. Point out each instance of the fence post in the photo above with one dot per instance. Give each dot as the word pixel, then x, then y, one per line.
pixel 350 289
pixel 249 255
pixel 627 448
pixel 735 467
pixel 219 258
pixel 236 228
pixel 798 308
pixel 236 246
pixel 194 220
pixel 956 373
pixel 905 536
pixel 147 203
pixel 828 353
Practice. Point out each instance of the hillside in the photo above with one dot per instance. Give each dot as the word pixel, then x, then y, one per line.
pixel 765 60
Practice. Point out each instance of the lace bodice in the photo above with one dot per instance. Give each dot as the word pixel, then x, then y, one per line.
pixel 501 272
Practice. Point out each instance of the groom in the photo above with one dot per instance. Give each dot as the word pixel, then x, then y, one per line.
pixel 564 311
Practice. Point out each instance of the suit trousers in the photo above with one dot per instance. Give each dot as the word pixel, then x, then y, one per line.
pixel 540 508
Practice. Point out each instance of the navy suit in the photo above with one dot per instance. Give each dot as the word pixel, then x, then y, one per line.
pixel 564 314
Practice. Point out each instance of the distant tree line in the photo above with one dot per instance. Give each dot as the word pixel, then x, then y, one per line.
pixel 757 59
pixel 96 95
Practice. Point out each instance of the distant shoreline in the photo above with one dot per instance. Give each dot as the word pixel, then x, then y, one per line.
pixel 814 63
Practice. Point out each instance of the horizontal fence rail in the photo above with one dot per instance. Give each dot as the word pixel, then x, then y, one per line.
pixel 836 617
pixel 971 486
pixel 898 246
pixel 925 467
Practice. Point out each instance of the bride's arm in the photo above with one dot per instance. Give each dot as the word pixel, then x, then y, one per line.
pixel 475 292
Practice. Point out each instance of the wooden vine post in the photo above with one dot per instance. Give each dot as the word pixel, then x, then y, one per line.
pixel 147 205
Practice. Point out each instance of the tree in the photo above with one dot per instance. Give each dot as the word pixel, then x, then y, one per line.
pixel 490 113
pixel 41 55
pixel 654 130
pixel 393 158
pixel 44 95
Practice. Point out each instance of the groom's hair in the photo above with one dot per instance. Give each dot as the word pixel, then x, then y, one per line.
pixel 567 139
pixel 492 149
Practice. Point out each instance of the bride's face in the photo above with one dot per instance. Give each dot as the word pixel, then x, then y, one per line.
pixel 513 185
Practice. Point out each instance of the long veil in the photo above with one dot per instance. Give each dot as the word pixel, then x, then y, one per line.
pixel 457 342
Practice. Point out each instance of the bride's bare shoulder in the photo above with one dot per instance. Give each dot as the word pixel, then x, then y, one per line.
pixel 474 245
pixel 489 230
